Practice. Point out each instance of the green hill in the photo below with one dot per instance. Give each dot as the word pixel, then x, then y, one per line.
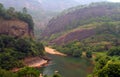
pixel 95 14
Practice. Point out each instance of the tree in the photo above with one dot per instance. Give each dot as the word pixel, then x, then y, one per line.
pixel 6 61
pixel 111 69
pixel 77 53
pixel 101 62
pixel 4 73
pixel 89 54
pixel 1 6
pixel 40 48
pixel 57 75
pixel 1 45
pixel 8 41
pixel 114 51
pixel 23 45
pixel 24 10
pixel 11 10
pixel 28 72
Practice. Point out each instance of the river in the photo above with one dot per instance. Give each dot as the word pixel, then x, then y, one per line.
pixel 68 66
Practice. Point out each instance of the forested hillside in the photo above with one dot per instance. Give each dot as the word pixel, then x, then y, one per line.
pixel 92 14
pixel 17 42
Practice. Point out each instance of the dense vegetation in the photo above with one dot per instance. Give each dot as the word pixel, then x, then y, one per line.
pixel 10 13
pixel 12 51
pixel 25 72
pixel 107 36
pixel 107 66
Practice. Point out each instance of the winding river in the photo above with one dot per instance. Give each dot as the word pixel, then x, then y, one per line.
pixel 68 66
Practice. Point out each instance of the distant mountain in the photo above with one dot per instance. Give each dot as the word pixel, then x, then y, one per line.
pixel 43 10
pixel 58 5
pixel 61 28
pixel 64 4
pixel 52 5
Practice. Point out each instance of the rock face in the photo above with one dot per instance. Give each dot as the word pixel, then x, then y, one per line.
pixel 16 28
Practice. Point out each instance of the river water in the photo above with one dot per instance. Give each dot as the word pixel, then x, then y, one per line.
pixel 69 66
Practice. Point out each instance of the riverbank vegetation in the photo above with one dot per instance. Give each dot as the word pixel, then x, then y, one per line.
pixel 107 36
pixel 104 47
pixel 107 65
pixel 13 50
pixel 25 72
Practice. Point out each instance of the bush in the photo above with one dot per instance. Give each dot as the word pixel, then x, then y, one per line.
pixel 89 54
pixel 57 75
pixel 77 53
pixel 28 72
pixel 114 51
pixel 13 50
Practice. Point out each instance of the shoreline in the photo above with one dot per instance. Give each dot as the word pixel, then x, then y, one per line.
pixel 53 51
pixel 39 61
pixel 35 62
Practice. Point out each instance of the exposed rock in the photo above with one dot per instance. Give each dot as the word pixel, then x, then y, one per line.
pixel 16 28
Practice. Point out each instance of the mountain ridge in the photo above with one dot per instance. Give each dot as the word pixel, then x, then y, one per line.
pixel 94 13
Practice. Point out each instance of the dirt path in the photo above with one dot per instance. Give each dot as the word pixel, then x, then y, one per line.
pixel 53 51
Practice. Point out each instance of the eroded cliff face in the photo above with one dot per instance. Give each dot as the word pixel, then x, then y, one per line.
pixel 16 28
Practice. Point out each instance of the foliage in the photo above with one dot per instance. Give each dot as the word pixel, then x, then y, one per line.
pixel 28 72
pixel 114 51
pixel 77 53
pixel 89 54
pixel 111 69
pixel 57 75
pixel 13 50
pixel 27 18
pixel 101 63
pixel 106 66
pixel 24 72
pixel 10 13
pixel 72 49
pixel 4 73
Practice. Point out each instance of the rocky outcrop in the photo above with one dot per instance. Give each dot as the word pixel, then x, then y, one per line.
pixel 16 28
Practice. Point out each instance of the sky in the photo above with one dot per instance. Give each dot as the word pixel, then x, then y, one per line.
pixel 114 0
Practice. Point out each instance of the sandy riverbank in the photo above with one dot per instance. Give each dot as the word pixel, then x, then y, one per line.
pixel 38 62
pixel 35 62
pixel 53 51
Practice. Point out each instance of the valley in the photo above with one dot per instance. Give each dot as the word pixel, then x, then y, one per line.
pixel 59 38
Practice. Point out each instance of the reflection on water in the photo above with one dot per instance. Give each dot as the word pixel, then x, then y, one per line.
pixel 69 66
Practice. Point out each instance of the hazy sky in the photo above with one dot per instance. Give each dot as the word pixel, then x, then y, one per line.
pixel 114 0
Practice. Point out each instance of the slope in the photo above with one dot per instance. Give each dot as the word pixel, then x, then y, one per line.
pixel 80 16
